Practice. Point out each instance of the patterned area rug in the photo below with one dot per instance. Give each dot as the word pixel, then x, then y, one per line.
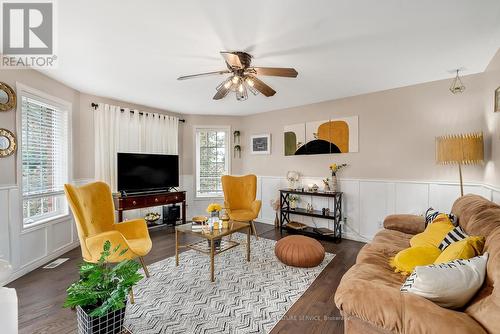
pixel 246 297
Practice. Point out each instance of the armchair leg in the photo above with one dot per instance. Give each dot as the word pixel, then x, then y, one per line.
pixel 131 295
pixel 254 230
pixel 146 271
pixel 231 236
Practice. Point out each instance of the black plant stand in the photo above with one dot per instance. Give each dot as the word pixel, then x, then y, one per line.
pixel 335 214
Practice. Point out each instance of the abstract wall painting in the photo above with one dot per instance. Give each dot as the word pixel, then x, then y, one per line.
pixel 338 135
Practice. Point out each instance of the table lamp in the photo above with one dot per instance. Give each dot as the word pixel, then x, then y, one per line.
pixel 462 149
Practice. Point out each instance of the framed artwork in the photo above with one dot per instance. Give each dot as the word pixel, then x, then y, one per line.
pixel 260 144
pixel 338 135
pixel 497 100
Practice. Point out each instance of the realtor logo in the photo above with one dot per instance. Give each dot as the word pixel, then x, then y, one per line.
pixel 27 34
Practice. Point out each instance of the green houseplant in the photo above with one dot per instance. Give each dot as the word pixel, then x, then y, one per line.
pixel 100 294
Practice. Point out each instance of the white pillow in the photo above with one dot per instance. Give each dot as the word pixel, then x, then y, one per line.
pixel 450 284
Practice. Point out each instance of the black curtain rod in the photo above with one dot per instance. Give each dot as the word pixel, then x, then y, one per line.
pixel 95 105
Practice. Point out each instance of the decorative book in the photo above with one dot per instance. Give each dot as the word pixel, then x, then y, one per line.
pixel 296 225
pixel 323 231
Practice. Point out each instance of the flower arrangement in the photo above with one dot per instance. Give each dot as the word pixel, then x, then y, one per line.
pixel 334 168
pixel 294 199
pixel 276 205
pixel 292 177
pixel 214 207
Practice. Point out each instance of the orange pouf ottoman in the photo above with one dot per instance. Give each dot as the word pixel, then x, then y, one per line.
pixel 299 251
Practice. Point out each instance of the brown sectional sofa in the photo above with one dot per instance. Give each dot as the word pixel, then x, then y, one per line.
pixel 369 298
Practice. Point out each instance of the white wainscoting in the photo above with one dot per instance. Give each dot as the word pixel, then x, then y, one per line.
pixel 28 249
pixel 366 202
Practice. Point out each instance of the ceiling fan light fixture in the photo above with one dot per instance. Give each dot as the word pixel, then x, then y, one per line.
pixel 243 77
pixel 241 93
pixel 249 82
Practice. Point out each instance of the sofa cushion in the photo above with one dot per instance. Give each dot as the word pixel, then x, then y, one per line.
pixel 406 260
pixel 385 244
pixel 449 285
pixel 467 206
pixel 411 224
pixel 462 250
pixel 485 307
pixel 434 233
pixel 373 295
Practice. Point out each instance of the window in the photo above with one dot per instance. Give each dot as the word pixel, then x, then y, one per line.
pixel 44 158
pixel 212 160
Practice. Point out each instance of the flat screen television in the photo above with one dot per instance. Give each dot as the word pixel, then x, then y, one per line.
pixel 139 172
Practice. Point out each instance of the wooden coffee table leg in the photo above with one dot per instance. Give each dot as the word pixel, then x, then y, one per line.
pixel 176 248
pixel 212 255
pixel 249 232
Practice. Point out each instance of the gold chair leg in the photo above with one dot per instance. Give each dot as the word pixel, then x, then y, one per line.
pixel 254 230
pixel 131 294
pixel 146 271
pixel 231 235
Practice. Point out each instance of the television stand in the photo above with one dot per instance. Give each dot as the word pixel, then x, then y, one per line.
pixel 147 200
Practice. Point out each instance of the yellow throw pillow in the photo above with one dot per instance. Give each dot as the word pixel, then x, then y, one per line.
pixel 463 250
pixel 434 233
pixel 406 260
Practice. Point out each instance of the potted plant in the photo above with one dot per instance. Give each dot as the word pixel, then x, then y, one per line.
pixel 100 295
pixel 293 199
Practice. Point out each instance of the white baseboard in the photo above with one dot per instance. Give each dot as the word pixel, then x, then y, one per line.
pixel 34 265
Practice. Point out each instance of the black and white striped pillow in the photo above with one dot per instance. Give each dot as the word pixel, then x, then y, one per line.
pixel 431 214
pixel 454 235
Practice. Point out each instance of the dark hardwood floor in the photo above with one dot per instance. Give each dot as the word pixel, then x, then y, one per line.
pixel 42 292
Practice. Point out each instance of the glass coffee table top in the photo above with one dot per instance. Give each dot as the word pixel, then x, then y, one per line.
pixel 215 234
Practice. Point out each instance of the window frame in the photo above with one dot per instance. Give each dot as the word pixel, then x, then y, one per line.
pixel 196 130
pixel 29 92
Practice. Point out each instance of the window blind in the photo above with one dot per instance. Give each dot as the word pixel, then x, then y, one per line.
pixel 212 160
pixel 44 149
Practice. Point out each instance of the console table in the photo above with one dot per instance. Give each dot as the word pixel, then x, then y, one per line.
pixel 335 215
pixel 132 202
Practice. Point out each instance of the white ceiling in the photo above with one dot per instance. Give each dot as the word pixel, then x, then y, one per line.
pixel 135 50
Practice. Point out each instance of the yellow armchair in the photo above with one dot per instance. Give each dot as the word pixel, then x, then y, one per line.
pixel 93 209
pixel 239 198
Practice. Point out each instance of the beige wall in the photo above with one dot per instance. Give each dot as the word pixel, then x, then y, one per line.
pixel 188 149
pixel 492 170
pixel 396 131
pixel 82 119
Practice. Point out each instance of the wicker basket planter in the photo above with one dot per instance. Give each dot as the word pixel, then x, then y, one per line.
pixel 110 323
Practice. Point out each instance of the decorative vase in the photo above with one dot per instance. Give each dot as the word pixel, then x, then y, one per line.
pixel 293 205
pixel 214 219
pixel 333 183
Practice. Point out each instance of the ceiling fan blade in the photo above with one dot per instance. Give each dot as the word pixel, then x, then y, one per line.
pixel 275 71
pixel 221 92
pixel 185 77
pixel 262 87
pixel 232 59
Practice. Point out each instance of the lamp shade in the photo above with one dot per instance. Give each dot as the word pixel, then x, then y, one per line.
pixel 466 149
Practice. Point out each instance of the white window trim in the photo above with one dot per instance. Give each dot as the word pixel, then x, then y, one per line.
pixel 226 128
pixel 24 90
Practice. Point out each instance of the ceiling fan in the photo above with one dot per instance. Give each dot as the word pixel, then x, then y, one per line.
pixel 243 76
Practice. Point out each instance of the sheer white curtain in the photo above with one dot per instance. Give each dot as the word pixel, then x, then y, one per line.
pixel 125 131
